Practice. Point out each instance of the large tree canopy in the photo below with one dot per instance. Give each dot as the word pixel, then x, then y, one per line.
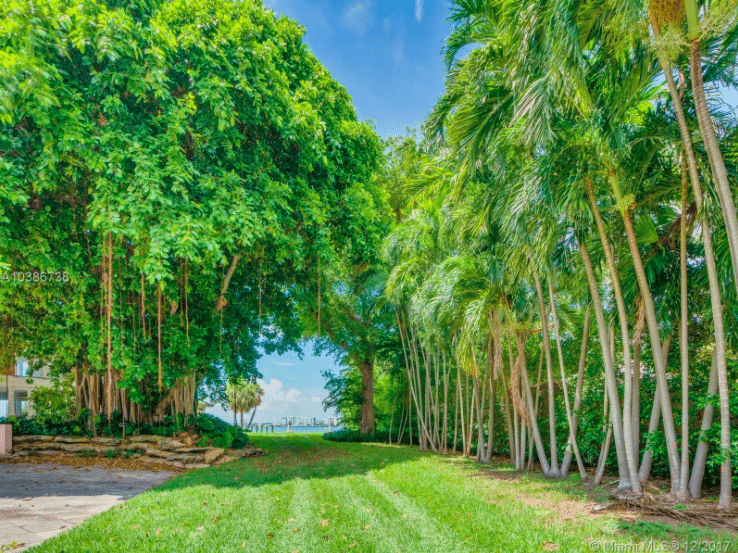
pixel 185 165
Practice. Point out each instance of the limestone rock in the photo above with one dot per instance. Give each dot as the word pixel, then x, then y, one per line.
pixel 193 466
pixel 75 448
pixel 32 439
pixel 213 454
pixel 71 439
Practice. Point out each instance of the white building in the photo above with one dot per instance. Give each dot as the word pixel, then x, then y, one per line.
pixel 16 383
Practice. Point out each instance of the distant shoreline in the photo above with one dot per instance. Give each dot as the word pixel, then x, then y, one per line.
pixel 304 429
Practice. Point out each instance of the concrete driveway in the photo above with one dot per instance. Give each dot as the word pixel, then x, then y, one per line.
pixel 38 501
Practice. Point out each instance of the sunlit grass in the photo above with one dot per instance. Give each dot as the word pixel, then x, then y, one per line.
pixel 310 495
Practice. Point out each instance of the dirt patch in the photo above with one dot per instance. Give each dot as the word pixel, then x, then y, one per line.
pixel 655 505
pixel 569 510
pixel 135 463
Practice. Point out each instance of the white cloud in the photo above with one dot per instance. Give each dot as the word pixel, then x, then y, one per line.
pixel 419 10
pixel 282 364
pixel 274 393
pixel 358 17
pixel 316 399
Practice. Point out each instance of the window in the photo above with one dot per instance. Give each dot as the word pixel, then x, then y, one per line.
pixel 21 367
pixel 3 404
pixel 21 403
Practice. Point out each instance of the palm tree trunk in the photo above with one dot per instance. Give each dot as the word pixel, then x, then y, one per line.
pixel 546 343
pixel 729 214
pixel 572 432
pixel 604 452
pixel 461 403
pixel 251 420
pixel 479 396
pixel 456 416
pixel 580 384
pixel 444 432
pixel 683 340
pixel 533 423
pixel 610 382
pixel 630 454
pixel 700 456
pixel 491 421
pixel 508 413
pixel 653 424
pixel 713 153
pixel 636 411
pixel 655 338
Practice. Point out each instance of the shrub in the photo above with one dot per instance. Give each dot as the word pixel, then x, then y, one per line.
pixel 54 405
pixel 213 431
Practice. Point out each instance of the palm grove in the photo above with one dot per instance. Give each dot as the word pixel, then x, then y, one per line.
pixel 549 273
pixel 561 268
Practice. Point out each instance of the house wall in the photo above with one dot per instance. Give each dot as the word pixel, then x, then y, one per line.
pixel 12 385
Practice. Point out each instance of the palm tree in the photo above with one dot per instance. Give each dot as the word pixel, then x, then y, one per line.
pixel 237 397
pixel 253 397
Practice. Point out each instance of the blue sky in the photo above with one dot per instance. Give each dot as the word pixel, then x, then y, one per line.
pixel 387 55
pixel 292 387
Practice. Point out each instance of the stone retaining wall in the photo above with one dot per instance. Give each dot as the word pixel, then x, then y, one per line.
pixel 155 449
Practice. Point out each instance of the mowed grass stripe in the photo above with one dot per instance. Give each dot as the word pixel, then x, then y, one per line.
pixel 452 499
pixel 373 528
pixel 295 533
pixel 423 529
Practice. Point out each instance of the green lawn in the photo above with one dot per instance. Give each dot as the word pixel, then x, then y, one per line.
pixel 310 495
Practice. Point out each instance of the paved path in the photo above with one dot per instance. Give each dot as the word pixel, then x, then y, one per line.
pixel 38 501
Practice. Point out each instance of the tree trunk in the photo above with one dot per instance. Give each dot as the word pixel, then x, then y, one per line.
pixel 728 207
pixel 529 401
pixel 508 413
pixel 683 493
pixel 655 338
pixel 610 382
pixel 580 384
pixel 546 342
pixel 367 420
pixel 700 456
pixel 715 156
pixel 726 201
pixel 569 419
pixel 251 420
pixel 630 455
pixel 636 412
pixel 653 425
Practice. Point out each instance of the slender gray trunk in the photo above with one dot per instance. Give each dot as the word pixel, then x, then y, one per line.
pixel 631 455
pixel 580 384
pixel 683 493
pixel 572 444
pixel 610 382
pixel 655 338
pixel 645 470
pixel 700 457
pixel 546 343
